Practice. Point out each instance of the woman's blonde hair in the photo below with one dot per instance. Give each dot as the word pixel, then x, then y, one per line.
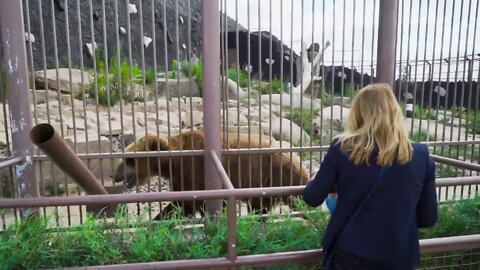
pixel 376 123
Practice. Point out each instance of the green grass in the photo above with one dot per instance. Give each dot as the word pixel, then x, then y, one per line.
pixel 32 245
pixel 303 118
pixel 109 87
pixel 421 136
pixel 239 76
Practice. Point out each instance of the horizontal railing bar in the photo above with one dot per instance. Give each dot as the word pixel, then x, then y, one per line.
pixel 175 195
pixel 457 181
pixel 10 161
pixel 227 183
pixel 151 197
pixel 173 153
pixel 457 163
pixel 231 151
pixel 432 245
pixel 180 264
pixel 451 243
pixel 451 143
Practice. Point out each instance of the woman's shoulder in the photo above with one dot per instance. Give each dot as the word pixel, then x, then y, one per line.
pixel 420 147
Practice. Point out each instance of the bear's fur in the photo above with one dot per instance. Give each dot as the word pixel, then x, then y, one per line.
pixel 187 172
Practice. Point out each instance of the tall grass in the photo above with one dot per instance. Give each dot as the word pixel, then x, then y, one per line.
pixel 32 245
pixel 109 87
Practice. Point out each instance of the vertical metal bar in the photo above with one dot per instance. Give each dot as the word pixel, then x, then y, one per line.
pixel 232 229
pixel 416 71
pixel 333 70
pixel 373 40
pixel 69 53
pixel 237 55
pixel 470 79
pixel 15 61
pixel 467 115
pixel 352 82
pixel 84 103
pixel 211 96
pixel 387 38
pixel 400 46
pixel 363 41
pixel 179 70
pixel 260 36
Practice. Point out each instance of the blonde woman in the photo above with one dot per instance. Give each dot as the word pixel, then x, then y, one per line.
pixel 385 185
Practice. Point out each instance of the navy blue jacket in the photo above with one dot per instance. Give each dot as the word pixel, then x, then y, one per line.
pixel 386 229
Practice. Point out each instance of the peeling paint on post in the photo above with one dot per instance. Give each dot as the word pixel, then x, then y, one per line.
pixel 15 63
pixel 211 96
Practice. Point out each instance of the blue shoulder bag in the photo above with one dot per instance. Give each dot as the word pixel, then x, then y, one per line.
pixel 331 251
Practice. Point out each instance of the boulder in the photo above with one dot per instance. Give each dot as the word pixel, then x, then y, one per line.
pixel 61 82
pixel 177 88
pixel 297 101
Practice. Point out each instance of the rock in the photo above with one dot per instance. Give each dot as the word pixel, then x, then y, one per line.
pixel 233 91
pixel 146 41
pixel 187 32
pixel 254 129
pixel 132 8
pixel 63 79
pixel 284 134
pixel 29 37
pixel 102 169
pixel 3 139
pixel 335 112
pixel 344 102
pixel 52 96
pixel 112 124
pixel 296 101
pixel 194 119
pixel 236 118
pixel 176 88
pixel 284 144
pixel 91 47
pixel 337 119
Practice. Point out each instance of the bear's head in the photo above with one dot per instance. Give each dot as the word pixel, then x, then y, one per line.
pixel 133 171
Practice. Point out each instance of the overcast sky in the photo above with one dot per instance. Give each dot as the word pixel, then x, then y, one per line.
pixel 342 21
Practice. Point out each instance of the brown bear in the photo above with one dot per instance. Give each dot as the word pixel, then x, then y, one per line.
pixel 187 172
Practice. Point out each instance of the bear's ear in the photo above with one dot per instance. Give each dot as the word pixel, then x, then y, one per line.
pixel 157 144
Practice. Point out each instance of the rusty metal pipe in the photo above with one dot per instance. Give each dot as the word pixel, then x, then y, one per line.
pixel 47 139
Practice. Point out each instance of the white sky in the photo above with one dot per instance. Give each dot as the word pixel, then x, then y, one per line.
pixel 340 27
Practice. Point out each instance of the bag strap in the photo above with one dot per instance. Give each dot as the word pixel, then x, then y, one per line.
pixel 379 178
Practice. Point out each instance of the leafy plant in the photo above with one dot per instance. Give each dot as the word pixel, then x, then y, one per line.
pixel 33 244
pixel 118 83
pixel 239 76
pixel 421 136
pixel 302 118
